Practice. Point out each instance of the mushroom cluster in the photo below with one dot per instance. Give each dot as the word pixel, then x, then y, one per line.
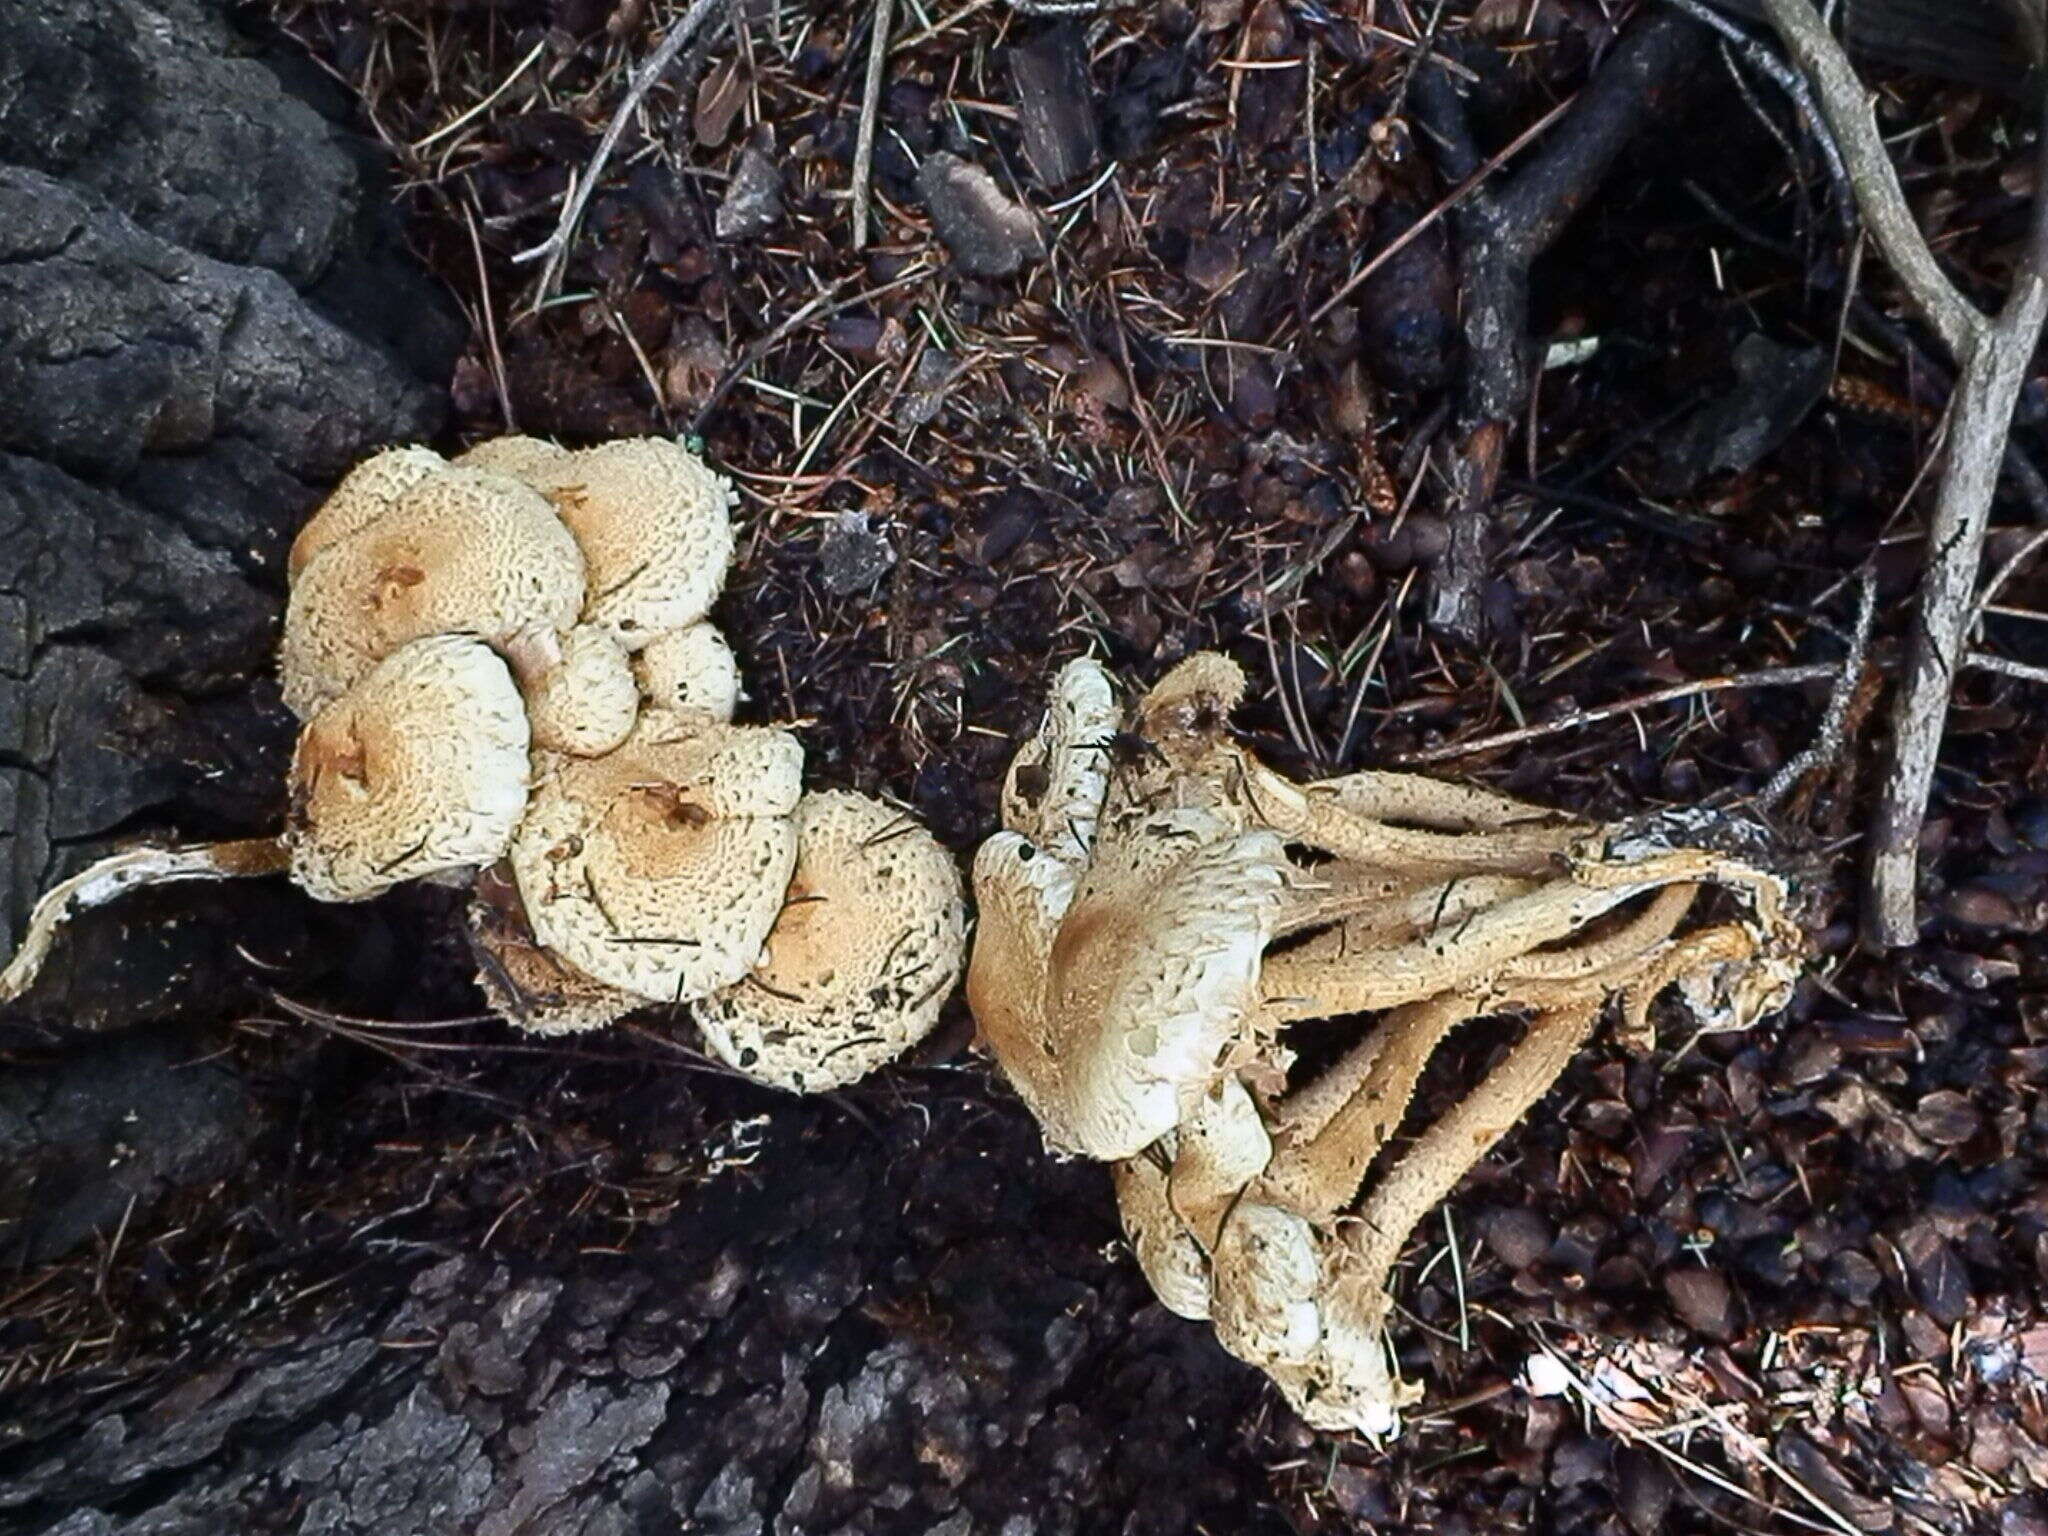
pixel 1164 916
pixel 506 675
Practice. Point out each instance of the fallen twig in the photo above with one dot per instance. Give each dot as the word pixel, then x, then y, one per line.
pixel 1769 677
pixel 1992 356
pixel 870 102
pixel 1501 232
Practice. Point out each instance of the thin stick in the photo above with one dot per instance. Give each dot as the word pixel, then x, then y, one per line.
pixel 1769 677
pixel 870 101
pixel 1457 195
pixel 556 247
pixel 1984 661
pixel 1993 357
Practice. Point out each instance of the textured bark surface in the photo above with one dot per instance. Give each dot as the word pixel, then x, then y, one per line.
pixel 831 1330
pixel 172 401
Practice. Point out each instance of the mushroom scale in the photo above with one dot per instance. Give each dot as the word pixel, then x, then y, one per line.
pixel 654 523
pixel 420 767
pixel 868 946
pixel 660 868
pixel 461 552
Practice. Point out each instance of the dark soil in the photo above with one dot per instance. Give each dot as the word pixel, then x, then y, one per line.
pixel 1799 1276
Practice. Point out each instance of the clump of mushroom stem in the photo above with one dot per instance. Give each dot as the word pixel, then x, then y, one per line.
pixel 1163 909
pixel 507 679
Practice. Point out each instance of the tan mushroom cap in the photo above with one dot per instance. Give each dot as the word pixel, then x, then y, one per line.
pixel 366 493
pixel 689 672
pixel 1111 1002
pixel 660 868
pixel 586 703
pixel 530 459
pixel 870 941
pixel 460 552
pixel 421 767
pixel 525 983
pixel 655 526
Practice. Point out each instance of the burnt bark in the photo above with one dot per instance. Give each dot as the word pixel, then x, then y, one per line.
pixel 832 1331
pixel 186 362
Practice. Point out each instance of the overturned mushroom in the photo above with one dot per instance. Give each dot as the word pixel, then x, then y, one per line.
pixel 1163 907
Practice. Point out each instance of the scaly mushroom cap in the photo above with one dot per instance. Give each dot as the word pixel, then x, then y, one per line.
pixel 655 526
pixel 690 673
pixel 529 459
pixel 521 980
pixel 1054 789
pixel 421 767
pixel 867 949
pixel 460 552
pixel 586 703
pixel 366 493
pixel 660 868
pixel 1112 1001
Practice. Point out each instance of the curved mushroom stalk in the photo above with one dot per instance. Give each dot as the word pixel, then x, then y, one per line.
pixel 116 875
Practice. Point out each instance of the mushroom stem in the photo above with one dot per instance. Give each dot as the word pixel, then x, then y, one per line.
pixel 1326 820
pixel 1365 909
pixel 1307 983
pixel 1431 1168
pixel 1317 1174
pixel 98 884
pixel 1421 801
pixel 1651 927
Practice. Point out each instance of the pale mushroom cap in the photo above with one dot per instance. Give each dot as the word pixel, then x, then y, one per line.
pixel 421 767
pixel 585 704
pixel 1111 1003
pixel 461 552
pixel 531 459
pixel 1054 789
pixel 524 983
pixel 1172 1260
pixel 660 868
pixel 366 493
pixel 869 944
pixel 655 526
pixel 1154 974
pixel 689 672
